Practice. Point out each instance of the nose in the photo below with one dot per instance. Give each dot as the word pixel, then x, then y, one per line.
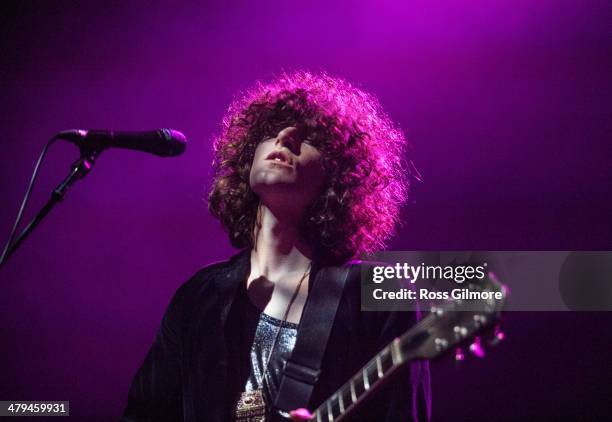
pixel 289 138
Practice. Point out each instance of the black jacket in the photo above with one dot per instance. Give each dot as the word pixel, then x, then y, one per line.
pixel 191 371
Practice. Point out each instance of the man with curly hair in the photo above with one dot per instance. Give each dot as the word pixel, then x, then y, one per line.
pixel 309 173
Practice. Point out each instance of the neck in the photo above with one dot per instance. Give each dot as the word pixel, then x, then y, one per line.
pixel 279 249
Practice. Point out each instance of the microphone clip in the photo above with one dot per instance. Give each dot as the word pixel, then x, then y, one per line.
pixel 78 170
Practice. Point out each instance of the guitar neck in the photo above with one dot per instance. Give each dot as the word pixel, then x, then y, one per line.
pixel 444 327
pixel 369 377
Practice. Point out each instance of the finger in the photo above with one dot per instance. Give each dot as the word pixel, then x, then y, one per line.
pixel 300 414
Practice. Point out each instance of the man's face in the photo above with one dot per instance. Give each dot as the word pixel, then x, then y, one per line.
pixel 287 168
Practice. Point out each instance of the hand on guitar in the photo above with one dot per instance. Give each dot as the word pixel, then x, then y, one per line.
pixel 300 414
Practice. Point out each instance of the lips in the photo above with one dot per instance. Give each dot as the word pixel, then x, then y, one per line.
pixel 280 157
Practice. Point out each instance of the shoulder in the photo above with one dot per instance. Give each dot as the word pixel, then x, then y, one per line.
pixel 205 279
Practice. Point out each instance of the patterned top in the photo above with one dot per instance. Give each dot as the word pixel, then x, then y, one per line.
pixel 260 350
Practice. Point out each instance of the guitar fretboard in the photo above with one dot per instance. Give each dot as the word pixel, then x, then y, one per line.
pixel 352 391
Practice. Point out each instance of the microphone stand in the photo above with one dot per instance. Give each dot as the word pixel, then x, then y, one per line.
pixel 78 170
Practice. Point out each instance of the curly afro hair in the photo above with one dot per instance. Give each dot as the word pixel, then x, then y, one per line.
pixel 362 154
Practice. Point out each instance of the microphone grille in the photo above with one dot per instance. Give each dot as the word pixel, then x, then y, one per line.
pixel 171 134
pixel 176 142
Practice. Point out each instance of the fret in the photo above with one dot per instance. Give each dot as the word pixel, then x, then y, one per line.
pixel 396 353
pixel 335 406
pixel 341 402
pixel 366 381
pixel 353 395
pixel 379 369
pixel 318 416
pixel 371 372
pixel 330 415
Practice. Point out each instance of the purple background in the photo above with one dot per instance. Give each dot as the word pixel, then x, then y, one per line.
pixel 508 106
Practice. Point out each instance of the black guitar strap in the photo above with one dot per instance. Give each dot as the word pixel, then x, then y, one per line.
pixel 302 369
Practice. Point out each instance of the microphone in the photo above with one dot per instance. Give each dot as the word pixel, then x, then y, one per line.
pixel 161 142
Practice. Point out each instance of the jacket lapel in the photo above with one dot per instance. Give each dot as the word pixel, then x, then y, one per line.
pixel 226 285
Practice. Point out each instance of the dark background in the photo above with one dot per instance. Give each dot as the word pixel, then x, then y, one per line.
pixel 508 107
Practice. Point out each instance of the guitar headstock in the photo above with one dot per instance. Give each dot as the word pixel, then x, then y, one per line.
pixel 455 322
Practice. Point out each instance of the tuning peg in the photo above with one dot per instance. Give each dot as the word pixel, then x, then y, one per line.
pixel 459 355
pixel 476 348
pixel 498 336
pixel 440 344
pixel 460 331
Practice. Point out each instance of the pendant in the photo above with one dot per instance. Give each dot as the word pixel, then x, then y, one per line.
pixel 250 407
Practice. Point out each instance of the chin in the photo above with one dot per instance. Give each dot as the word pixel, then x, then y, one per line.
pixel 267 177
